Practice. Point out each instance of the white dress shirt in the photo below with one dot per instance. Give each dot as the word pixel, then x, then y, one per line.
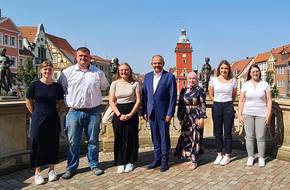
pixel 83 89
pixel 156 80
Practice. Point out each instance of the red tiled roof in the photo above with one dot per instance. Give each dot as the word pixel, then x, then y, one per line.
pixel 7 23
pixel 28 32
pixel 241 64
pixel 280 49
pixel 262 57
pixel 95 57
pixel 277 53
pixel 61 43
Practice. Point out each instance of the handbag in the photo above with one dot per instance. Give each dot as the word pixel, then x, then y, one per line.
pixel 181 110
pixel 108 116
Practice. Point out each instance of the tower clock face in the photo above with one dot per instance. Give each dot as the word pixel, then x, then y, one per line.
pixel 184 55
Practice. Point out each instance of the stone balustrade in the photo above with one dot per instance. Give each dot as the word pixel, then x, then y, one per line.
pixel 15 146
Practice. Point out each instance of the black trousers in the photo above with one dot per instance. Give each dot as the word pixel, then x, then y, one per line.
pixel 223 115
pixel 126 142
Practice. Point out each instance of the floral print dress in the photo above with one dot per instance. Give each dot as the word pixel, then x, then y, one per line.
pixel 191 107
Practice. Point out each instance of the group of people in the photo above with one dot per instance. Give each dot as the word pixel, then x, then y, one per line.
pixel 79 89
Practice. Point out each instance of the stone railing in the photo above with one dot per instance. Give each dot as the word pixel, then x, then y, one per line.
pixel 15 146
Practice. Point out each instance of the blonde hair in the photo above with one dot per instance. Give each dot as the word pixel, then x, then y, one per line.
pixel 46 63
pixel 131 77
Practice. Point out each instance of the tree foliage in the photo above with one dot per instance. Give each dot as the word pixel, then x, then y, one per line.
pixel 26 72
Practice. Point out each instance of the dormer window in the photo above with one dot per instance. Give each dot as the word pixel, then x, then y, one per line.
pixel 285 55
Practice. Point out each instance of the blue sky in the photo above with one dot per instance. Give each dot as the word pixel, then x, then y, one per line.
pixel 135 30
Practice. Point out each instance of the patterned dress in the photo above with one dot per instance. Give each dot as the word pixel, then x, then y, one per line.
pixel 191 107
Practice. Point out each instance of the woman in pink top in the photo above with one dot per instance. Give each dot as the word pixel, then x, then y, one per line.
pixel 255 107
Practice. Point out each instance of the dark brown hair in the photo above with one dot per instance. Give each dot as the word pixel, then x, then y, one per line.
pixel 84 49
pixel 131 77
pixel 250 69
pixel 225 62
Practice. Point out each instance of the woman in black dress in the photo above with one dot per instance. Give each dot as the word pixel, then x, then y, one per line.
pixel 191 113
pixel 44 98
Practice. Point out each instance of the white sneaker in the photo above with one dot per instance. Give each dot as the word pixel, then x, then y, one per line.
pixel 120 169
pixel 261 162
pixel 250 161
pixel 129 167
pixel 225 160
pixel 38 179
pixel 218 159
pixel 52 175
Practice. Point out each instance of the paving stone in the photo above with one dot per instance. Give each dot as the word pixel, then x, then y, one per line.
pixel 207 176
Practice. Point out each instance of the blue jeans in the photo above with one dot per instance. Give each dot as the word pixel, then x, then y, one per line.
pixel 76 123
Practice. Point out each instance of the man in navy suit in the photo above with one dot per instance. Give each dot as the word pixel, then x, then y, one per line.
pixel 158 106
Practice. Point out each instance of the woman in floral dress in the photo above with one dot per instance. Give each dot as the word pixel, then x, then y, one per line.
pixel 191 113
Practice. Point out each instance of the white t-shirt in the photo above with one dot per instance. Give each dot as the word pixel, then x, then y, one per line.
pixel 223 91
pixel 255 98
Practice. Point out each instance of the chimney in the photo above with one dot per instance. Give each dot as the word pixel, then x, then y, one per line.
pixel 0 13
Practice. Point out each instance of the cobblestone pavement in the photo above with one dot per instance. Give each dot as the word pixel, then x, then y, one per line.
pixel 276 175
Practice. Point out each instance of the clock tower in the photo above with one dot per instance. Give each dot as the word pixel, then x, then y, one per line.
pixel 183 53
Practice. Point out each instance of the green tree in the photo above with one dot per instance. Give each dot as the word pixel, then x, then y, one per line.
pixel 269 77
pixel 25 75
pixel 26 72
pixel 275 92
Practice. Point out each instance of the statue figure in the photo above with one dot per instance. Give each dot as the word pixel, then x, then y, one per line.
pixel 205 74
pixel 5 73
pixel 114 65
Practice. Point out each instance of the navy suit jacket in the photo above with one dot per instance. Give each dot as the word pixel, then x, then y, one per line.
pixel 164 99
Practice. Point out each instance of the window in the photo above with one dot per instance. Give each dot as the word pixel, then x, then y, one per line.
pixel 6 39
pixel 54 58
pixel 184 84
pixel 42 53
pixel 21 61
pixel 13 60
pixel 20 44
pixel 284 56
pixel 280 70
pixel 183 72
pixel 13 41
pixel 55 75
pixel 1 39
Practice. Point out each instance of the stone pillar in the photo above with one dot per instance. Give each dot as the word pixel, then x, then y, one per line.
pixel 14 146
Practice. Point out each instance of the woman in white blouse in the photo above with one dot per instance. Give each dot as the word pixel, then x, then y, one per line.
pixel 255 107
pixel 223 91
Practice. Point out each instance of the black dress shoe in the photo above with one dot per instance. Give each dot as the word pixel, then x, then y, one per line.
pixel 164 167
pixel 153 165
pixel 68 175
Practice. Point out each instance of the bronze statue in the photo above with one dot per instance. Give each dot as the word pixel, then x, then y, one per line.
pixel 5 73
pixel 114 65
pixel 205 74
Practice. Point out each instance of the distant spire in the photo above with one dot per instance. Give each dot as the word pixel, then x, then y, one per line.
pixel 183 38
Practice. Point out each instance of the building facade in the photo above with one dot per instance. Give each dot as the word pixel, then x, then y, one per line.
pixel 183 53
pixel 11 40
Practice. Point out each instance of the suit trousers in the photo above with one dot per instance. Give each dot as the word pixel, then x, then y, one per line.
pixel 160 137
pixel 223 115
